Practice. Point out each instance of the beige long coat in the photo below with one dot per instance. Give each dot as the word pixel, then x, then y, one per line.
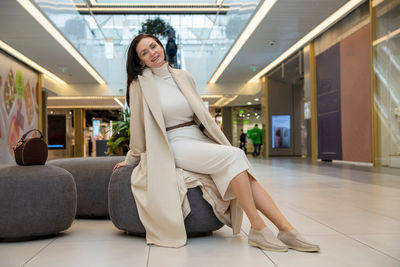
pixel 154 180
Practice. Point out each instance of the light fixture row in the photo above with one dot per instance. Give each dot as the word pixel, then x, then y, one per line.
pixel 123 7
pixel 117 99
pixel 150 10
pixel 224 101
pixel 114 3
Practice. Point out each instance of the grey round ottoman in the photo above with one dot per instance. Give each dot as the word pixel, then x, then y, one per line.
pixel 91 176
pixel 123 212
pixel 35 201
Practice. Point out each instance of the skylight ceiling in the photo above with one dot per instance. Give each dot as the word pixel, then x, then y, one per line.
pixel 103 38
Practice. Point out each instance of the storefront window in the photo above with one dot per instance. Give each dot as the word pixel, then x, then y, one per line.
pixel 386 58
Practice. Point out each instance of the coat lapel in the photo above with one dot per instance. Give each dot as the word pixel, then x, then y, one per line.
pixel 150 93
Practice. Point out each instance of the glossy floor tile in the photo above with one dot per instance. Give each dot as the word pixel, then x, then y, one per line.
pixel 18 253
pixel 221 249
pixel 352 212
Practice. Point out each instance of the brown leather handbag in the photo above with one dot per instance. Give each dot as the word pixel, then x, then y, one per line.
pixel 31 151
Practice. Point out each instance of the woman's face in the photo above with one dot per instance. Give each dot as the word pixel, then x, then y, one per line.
pixel 150 53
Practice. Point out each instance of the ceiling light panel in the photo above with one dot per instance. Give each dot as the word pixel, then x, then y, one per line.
pixel 156 2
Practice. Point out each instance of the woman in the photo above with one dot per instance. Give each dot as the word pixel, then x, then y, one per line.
pixel 166 116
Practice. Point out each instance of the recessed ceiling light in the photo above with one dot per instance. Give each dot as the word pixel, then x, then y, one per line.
pixel 256 99
pixel 248 103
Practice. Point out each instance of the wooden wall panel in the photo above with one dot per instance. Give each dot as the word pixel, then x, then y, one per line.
pixel 355 66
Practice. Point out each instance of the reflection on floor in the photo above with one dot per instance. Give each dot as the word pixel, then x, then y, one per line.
pixel 353 213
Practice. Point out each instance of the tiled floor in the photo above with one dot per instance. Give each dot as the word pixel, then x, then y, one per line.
pixel 353 213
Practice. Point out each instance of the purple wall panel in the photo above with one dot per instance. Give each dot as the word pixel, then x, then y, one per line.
pixel 328 104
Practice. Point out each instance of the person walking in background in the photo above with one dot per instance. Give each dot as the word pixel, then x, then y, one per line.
pixel 243 141
pixel 90 146
pixel 256 138
pixel 172 50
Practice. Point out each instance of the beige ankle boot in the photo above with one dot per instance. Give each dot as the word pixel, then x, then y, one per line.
pixel 266 240
pixel 294 240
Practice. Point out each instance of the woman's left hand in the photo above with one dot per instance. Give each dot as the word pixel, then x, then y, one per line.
pixel 120 164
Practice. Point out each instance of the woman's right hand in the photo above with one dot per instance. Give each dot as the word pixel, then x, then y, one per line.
pixel 120 164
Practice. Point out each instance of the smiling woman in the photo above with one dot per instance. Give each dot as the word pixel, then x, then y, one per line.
pixel 174 140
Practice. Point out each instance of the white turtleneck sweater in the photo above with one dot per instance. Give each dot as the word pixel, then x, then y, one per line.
pixel 174 106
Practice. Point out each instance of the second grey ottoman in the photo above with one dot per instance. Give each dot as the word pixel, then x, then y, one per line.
pixel 35 201
pixel 123 212
pixel 91 176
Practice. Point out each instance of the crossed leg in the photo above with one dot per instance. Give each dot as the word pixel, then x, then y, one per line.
pixel 252 197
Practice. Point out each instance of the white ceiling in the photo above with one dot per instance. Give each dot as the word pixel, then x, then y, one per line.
pixel 19 30
pixel 287 22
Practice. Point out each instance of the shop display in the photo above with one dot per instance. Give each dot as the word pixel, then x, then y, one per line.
pixel 281 131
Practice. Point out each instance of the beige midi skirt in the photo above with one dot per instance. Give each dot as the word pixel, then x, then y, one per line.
pixel 195 152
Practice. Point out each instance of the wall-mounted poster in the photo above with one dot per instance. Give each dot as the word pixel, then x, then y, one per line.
pixel 280 131
pixel 19 107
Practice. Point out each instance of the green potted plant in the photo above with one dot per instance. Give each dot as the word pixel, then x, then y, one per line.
pixel 157 27
pixel 119 140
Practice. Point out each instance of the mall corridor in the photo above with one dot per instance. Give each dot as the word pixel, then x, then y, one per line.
pixel 146 119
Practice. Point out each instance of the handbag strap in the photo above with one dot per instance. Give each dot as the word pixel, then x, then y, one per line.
pixel 24 136
pixel 22 139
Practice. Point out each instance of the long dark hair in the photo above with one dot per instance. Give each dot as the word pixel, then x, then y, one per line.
pixel 133 66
